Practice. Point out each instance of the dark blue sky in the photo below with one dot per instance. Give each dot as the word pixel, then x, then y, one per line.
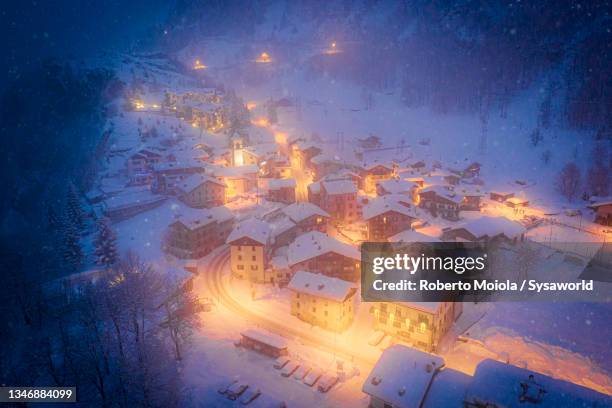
pixel 32 30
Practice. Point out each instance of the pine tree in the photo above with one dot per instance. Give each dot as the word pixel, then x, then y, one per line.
pixel 105 244
pixel 72 253
pixel 75 211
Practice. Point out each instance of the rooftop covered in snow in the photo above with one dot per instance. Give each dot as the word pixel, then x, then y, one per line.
pixel 300 211
pixel 319 285
pixel 313 244
pixel 384 204
pixel 252 228
pixel 339 187
pixel 402 376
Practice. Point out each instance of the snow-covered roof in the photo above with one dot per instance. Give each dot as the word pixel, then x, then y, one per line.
pixel 265 337
pixel 194 218
pixel 339 187
pixel 300 211
pixel 277 184
pixel 447 390
pixel 252 228
pixel 504 385
pixel 130 198
pixel 177 165
pixel 428 307
pixel 381 205
pixel 402 376
pixel 319 285
pixel 517 200
pixel 412 236
pixel 233 172
pixel 493 226
pixel 195 180
pixel 325 157
pixel 262 149
pixel 371 164
pixel 443 192
pixel 397 186
pixel 315 243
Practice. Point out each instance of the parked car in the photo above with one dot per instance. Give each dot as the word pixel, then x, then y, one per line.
pixel 327 382
pixel 223 389
pixel 280 362
pixel 236 390
pixel 249 395
pixel 289 368
pixel 301 372
pixel 311 378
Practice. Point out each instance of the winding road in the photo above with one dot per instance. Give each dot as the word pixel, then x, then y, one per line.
pixel 212 274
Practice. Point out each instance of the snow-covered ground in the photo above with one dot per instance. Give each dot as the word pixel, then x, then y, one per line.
pixel 565 340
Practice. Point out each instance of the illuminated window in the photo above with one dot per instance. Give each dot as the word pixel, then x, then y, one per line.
pixel 423 327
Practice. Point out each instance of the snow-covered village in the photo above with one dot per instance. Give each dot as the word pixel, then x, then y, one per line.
pixel 202 245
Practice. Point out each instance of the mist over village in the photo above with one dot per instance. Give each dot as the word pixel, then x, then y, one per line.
pixel 201 199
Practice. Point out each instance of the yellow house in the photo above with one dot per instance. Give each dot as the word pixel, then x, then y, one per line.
pixel 249 250
pixel 322 301
pixel 420 324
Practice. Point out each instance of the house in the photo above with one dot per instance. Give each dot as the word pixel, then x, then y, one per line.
pixel 386 216
pixel 201 191
pixel 282 190
pixel 278 166
pixel 440 201
pixel 471 198
pixel 420 324
pixel 256 154
pixel 603 212
pixel 374 172
pixel 497 384
pixel 195 233
pixel 472 170
pixel 486 229
pixel 516 202
pixel 324 164
pixel 500 196
pixel 396 187
pixel 410 236
pixel 167 175
pixel 315 251
pixel 339 199
pixel 322 301
pixel 264 342
pixel 142 161
pixel 239 180
pixel 303 151
pixel 249 245
pixel 130 202
pixel 308 217
pixel 405 377
pixel 401 378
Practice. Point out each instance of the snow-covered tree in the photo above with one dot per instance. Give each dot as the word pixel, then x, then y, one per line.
pixel 105 244
pixel 181 316
pixel 568 181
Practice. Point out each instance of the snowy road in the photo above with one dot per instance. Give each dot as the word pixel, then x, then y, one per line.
pixel 213 280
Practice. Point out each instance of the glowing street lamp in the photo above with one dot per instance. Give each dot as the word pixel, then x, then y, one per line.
pixel 264 58
pixel 333 49
pixel 198 65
